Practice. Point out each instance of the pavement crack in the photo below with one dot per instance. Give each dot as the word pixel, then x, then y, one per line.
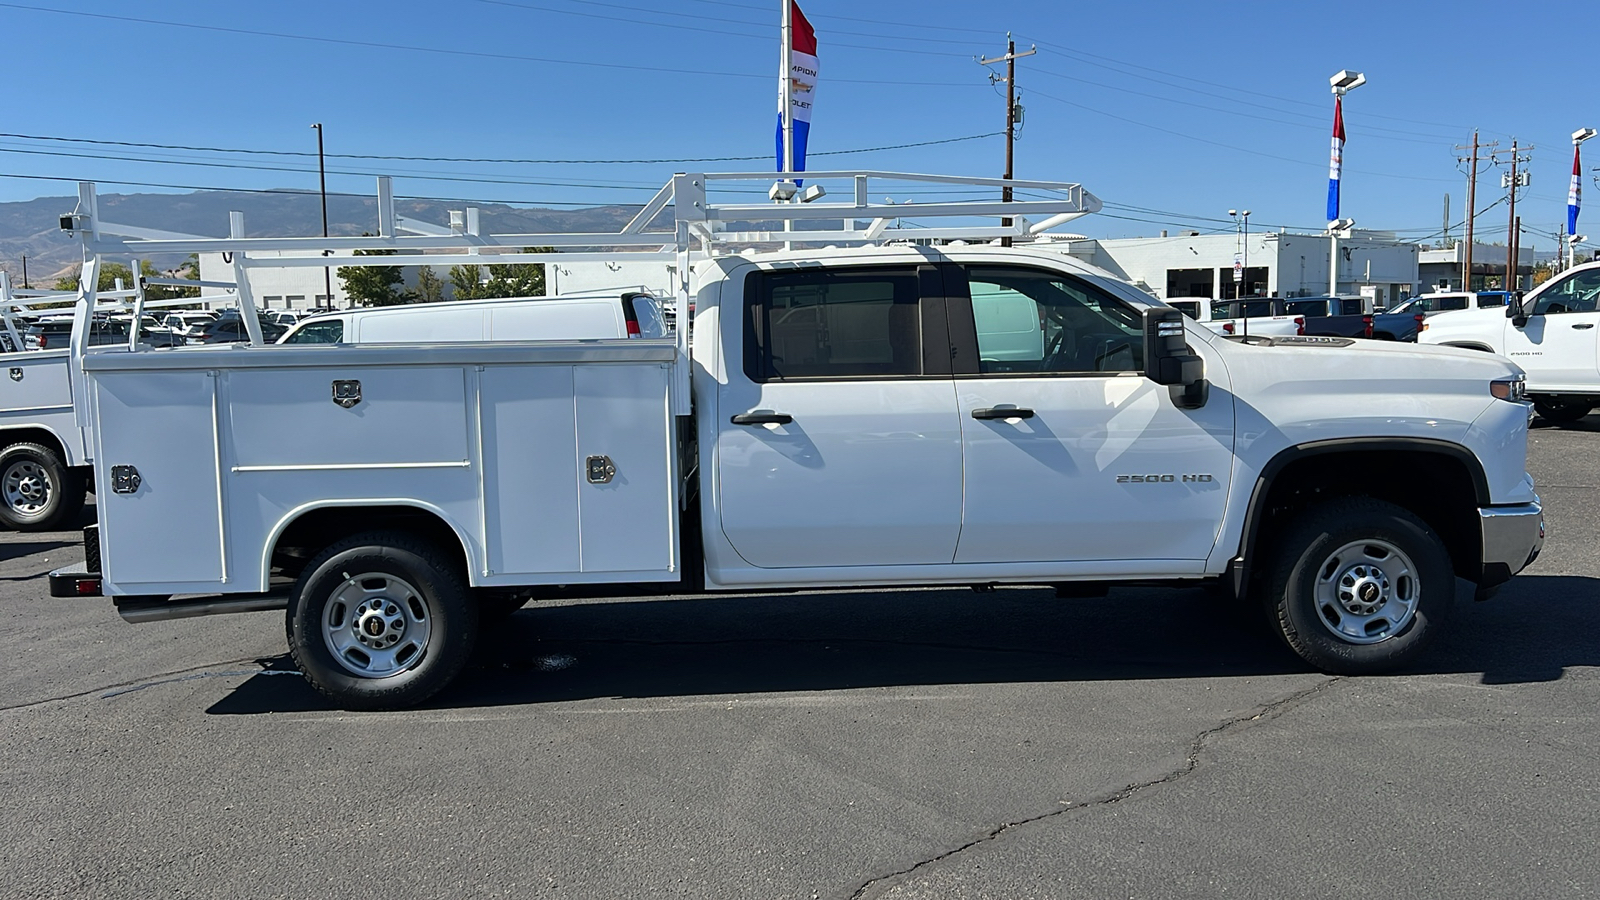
pixel 1191 762
pixel 139 683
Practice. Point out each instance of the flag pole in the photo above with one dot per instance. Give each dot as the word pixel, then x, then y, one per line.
pixel 786 83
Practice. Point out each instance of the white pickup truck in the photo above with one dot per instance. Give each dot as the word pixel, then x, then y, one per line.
pixel 1254 317
pixel 1551 333
pixel 877 415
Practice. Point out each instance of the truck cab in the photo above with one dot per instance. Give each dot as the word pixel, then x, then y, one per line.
pixel 1553 333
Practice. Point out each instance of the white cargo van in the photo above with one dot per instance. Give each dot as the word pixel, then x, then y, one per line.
pixel 565 318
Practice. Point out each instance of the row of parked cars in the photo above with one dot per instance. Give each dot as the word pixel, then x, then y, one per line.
pixel 1331 316
pixel 172 328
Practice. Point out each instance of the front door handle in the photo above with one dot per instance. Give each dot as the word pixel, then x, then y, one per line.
pixel 762 418
pixel 1002 413
pixel 1583 325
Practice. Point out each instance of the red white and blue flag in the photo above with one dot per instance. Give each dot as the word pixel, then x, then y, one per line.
pixel 802 86
pixel 1574 192
pixel 1336 160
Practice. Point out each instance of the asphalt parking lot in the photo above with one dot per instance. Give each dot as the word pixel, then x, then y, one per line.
pixel 880 744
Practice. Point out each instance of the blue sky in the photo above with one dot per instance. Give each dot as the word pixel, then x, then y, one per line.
pixel 1171 112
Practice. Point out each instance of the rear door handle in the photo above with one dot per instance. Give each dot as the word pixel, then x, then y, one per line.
pixel 1002 413
pixel 1584 325
pixel 762 419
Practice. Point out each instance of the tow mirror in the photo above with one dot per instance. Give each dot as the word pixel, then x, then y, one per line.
pixel 1168 359
pixel 1514 309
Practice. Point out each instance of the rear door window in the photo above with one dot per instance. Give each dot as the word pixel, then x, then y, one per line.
pixel 833 323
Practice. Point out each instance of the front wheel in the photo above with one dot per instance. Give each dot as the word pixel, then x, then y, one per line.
pixel 1360 586
pixel 1554 410
pixel 381 621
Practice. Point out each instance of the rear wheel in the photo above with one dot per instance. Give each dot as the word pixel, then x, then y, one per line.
pixel 37 490
pixel 1553 409
pixel 1359 587
pixel 381 621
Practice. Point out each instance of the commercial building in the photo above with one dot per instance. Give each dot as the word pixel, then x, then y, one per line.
pixel 1281 264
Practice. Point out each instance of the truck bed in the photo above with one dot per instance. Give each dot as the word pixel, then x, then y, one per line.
pixel 231 445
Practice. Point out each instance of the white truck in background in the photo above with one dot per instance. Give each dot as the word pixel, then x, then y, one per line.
pixel 871 413
pixel 1551 333
pixel 1253 317
pixel 45 452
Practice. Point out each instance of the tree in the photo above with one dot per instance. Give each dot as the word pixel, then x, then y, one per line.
pixel 111 273
pixel 505 280
pixel 374 285
pixel 430 287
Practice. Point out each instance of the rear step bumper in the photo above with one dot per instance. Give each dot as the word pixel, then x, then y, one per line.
pixel 75 581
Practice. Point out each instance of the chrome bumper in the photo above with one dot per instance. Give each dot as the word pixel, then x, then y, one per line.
pixel 1512 539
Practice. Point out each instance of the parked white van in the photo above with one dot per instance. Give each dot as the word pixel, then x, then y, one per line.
pixel 568 318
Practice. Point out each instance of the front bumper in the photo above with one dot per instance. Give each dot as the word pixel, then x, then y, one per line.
pixel 1512 539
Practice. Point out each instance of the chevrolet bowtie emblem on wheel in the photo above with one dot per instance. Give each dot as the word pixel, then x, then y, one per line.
pixel 347 393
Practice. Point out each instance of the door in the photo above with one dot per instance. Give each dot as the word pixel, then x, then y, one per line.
pixel 1071 454
pixel 1558 347
pixel 838 442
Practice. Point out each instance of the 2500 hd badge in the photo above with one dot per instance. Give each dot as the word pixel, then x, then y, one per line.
pixel 1159 479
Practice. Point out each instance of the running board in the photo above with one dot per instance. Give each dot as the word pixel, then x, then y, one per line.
pixel 154 609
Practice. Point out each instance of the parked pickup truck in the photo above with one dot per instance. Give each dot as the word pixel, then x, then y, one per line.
pixel 1352 317
pixel 839 417
pixel 1551 333
pixel 1259 316
pixel 1449 301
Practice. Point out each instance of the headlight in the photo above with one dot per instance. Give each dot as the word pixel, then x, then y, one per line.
pixel 1513 388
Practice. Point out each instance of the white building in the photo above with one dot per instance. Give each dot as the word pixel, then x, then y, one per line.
pixel 1277 264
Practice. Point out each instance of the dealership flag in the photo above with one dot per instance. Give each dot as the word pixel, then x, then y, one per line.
pixel 797 87
pixel 1574 193
pixel 1336 161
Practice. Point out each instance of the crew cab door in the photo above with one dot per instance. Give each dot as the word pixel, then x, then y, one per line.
pixel 1560 344
pixel 1071 453
pixel 838 442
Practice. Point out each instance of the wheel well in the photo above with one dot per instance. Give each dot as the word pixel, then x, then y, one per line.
pixel 1438 487
pixel 42 436
pixel 316 529
pixel 1467 345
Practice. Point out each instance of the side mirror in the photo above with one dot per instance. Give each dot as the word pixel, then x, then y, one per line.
pixel 1514 309
pixel 1168 359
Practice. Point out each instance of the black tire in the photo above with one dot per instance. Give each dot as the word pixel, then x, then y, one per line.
pixel 37 490
pixel 1314 557
pixel 406 581
pixel 1552 410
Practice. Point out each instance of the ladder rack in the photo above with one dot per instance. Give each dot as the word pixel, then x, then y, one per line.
pixel 699 227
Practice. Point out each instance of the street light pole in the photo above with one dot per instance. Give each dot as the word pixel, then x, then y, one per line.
pixel 322 182
pixel 1343 82
pixel 24 271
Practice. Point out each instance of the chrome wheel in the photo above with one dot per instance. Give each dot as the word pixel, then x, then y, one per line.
pixel 1367 591
pixel 377 625
pixel 27 488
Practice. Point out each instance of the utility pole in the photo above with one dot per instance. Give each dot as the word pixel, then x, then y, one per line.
pixel 24 271
pixel 1472 201
pixel 1511 183
pixel 322 181
pixel 1010 59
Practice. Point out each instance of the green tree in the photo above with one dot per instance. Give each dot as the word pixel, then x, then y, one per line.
pixel 374 285
pixel 110 273
pixel 505 280
pixel 430 287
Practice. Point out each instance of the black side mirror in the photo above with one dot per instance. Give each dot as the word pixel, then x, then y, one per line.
pixel 1514 309
pixel 1168 359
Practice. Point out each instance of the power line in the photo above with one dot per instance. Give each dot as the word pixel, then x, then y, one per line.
pixel 479 54
pixel 469 159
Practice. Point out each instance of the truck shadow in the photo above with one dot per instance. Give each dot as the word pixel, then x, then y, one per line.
pixel 612 649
